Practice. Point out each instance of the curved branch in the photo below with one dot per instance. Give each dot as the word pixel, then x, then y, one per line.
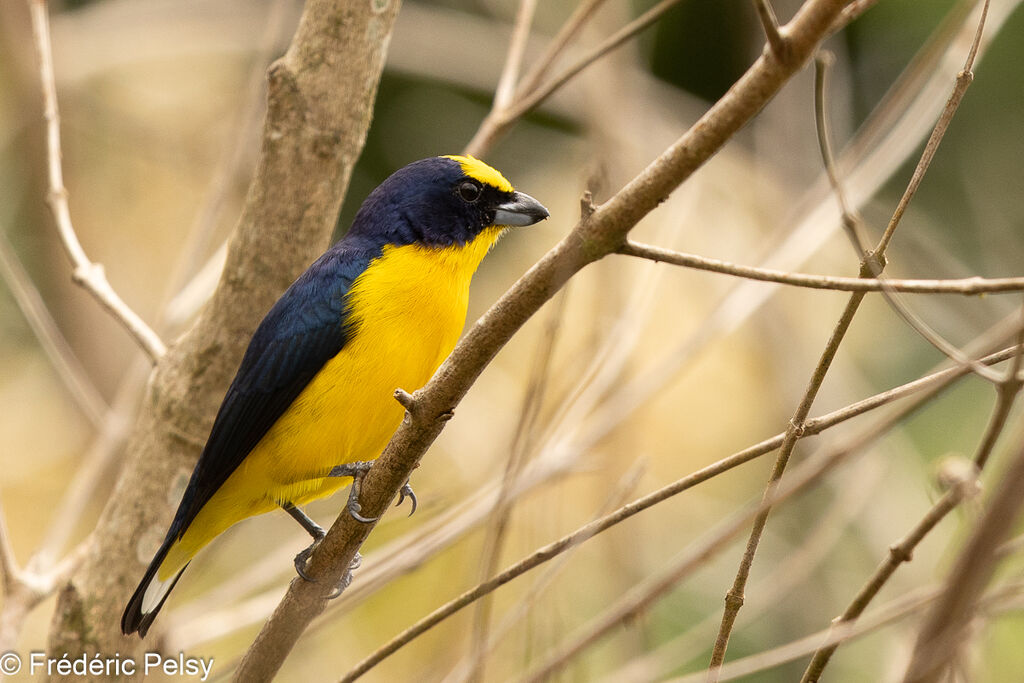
pixel 601 233
pixel 89 275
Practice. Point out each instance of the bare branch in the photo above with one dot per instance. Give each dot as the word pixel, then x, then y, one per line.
pixel 498 122
pixel 852 222
pixel 53 343
pixel 505 91
pixel 569 30
pixel 930 384
pixel 942 634
pixel 318 111
pixel 86 273
pixel 602 234
pixel 872 265
pixel 963 81
pixel 965 286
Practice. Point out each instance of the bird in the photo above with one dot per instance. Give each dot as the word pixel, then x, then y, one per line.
pixel 312 403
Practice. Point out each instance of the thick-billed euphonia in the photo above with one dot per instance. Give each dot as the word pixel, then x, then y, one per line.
pixel 313 398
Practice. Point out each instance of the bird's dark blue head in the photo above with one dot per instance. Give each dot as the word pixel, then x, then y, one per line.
pixel 441 202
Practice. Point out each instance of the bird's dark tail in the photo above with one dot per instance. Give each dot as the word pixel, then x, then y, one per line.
pixel 149 597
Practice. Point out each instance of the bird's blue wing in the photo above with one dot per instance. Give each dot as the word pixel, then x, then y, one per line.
pixel 306 328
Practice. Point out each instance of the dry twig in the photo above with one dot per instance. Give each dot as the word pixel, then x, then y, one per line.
pixel 872 265
pixel 86 273
pixel 600 234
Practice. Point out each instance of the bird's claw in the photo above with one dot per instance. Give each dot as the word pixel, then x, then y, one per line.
pixel 346 580
pixel 407 492
pixel 354 507
pixel 300 568
pixel 302 558
pixel 357 470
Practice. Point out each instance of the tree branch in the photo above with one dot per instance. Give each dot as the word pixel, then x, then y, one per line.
pixel 600 234
pixel 968 286
pixel 941 637
pixel 86 273
pixel 871 265
pixel 320 99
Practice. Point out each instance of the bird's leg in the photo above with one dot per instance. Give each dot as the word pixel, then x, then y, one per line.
pixel 317 532
pixel 314 530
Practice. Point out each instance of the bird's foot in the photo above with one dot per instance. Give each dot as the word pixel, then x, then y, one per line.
pixel 346 580
pixel 357 470
pixel 300 568
pixel 302 558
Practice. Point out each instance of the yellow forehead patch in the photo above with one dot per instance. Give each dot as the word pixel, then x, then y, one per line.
pixel 478 170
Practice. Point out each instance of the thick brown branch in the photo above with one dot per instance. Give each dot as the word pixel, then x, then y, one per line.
pixel 320 99
pixel 602 233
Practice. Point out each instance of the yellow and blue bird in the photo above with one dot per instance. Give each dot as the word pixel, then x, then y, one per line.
pixel 313 399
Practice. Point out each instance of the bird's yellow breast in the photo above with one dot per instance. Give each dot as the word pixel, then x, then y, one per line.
pixel 407 310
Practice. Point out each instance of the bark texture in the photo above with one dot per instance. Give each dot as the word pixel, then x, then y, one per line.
pixel 320 102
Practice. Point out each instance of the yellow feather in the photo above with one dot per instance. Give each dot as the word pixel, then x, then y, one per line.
pixel 478 170
pixel 409 307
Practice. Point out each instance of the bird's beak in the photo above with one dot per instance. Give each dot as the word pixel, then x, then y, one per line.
pixel 522 209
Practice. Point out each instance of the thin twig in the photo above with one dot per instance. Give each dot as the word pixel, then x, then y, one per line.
pixel 879 148
pixel 848 499
pixel 770 24
pixel 872 266
pixel 894 610
pixel 506 88
pixel 609 44
pixel 959 490
pixel 519 448
pixel 734 598
pixel 85 273
pixel 963 80
pixel 929 385
pixel 941 637
pixel 52 341
pixel 621 491
pixel 498 122
pixel 969 286
pixel 569 30
pixel 853 223
pixel 646 594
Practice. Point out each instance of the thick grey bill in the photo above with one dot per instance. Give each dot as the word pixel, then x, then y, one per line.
pixel 521 210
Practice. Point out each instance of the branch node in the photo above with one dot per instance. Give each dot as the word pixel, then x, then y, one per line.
pixel 733 600
pixel 778 44
pixel 901 554
pixel 407 400
pixel 960 475
pixel 873 264
pixel 587 205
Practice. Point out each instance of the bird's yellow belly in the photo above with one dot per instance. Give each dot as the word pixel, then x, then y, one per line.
pixel 408 308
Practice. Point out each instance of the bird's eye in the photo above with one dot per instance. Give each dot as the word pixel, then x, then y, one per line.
pixel 469 192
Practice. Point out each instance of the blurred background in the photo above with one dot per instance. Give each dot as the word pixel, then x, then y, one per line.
pixel 634 376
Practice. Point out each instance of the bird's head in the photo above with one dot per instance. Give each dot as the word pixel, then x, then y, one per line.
pixel 443 202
